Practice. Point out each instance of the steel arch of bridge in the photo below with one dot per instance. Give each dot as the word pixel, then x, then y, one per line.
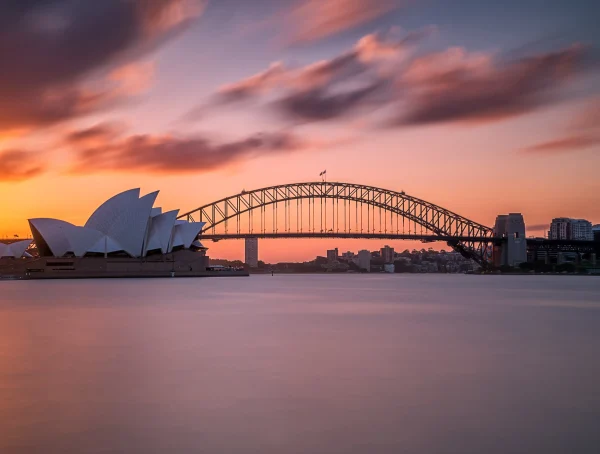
pixel 471 239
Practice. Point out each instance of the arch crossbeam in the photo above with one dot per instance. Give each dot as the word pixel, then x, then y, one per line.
pixel 322 208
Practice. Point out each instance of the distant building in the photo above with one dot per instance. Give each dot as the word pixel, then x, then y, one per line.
pixel 581 230
pixel 332 255
pixel 252 252
pixel 364 260
pixel 387 254
pixel 570 229
pixel 513 251
pixel 559 229
pixel 348 255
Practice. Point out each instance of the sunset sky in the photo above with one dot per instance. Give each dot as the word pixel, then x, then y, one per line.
pixel 481 107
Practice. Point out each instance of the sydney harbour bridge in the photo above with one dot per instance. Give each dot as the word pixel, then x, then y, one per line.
pixel 341 210
pixel 324 209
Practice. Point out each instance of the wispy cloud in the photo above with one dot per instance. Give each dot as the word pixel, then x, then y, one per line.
pixel 570 143
pixel 170 154
pixel 19 165
pixel 312 20
pixel 326 89
pixel 538 227
pixel 381 70
pixel 458 86
pixel 583 133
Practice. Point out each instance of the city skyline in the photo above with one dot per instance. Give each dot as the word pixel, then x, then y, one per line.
pixel 204 99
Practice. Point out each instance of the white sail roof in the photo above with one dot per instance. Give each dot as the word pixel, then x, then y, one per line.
pixel 184 233
pixel 106 245
pixel 110 211
pixel 63 237
pixel 125 219
pixel 161 228
pixel 125 222
pixel 16 249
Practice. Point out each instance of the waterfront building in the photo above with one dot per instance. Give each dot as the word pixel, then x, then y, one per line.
pixel 125 237
pixel 581 230
pixel 126 225
pixel 364 260
pixel 513 251
pixel 332 255
pixel 570 229
pixel 251 250
pixel 559 229
pixel 387 254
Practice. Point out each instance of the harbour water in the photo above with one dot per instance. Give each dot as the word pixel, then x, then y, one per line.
pixel 301 364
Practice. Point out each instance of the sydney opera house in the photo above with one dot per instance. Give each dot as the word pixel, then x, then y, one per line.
pixel 125 237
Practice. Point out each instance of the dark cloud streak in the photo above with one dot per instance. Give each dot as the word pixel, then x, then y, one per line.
pixel 467 93
pixel 167 154
pixel 51 51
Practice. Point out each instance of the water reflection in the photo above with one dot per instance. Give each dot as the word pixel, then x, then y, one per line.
pixel 301 364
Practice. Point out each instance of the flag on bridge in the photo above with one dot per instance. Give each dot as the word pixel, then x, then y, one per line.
pixel 323 173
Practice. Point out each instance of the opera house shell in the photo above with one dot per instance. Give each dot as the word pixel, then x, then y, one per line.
pixel 15 250
pixel 125 225
pixel 125 237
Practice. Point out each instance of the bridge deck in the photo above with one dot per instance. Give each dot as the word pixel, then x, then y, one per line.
pixel 357 235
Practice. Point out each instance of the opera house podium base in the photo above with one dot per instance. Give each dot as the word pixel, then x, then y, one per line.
pixel 183 263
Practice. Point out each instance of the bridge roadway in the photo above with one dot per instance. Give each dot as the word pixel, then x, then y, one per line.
pixel 357 235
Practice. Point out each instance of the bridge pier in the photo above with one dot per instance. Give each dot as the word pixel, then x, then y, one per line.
pixel 251 252
pixel 513 249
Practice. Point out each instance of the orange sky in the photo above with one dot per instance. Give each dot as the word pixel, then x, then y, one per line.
pixel 421 111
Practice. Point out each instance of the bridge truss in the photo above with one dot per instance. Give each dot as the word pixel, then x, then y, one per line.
pixel 343 210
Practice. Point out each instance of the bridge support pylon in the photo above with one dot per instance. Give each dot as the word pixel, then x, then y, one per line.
pixel 513 249
pixel 251 252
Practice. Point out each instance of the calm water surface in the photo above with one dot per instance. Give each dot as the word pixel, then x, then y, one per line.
pixel 301 364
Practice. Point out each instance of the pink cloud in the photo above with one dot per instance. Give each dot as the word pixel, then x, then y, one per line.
pixel 450 86
pixel 583 133
pixel 565 144
pixel 133 78
pixel 458 86
pixel 19 165
pixel 311 91
pixel 312 20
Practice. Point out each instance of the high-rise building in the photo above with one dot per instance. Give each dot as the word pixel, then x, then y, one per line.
pixel 581 229
pixel 332 255
pixel 252 252
pixel 559 229
pixel 570 229
pixel 513 251
pixel 387 254
pixel 364 260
